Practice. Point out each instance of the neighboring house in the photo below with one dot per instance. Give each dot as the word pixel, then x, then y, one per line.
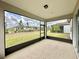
pixel 66 28
pixel 65 25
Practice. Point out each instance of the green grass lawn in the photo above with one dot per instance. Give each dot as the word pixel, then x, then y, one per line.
pixel 60 35
pixel 13 39
pixel 21 37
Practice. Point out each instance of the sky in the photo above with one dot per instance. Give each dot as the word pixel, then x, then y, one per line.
pixel 16 19
pixel 32 22
pixel 56 22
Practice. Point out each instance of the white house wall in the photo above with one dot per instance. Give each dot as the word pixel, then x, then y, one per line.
pixel 75 39
pixel 75 31
pixel 2 53
pixel 66 28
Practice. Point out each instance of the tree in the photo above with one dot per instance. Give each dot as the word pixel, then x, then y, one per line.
pixel 21 26
pixel 55 28
pixel 27 24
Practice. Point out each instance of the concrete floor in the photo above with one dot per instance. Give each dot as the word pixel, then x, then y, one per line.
pixel 45 49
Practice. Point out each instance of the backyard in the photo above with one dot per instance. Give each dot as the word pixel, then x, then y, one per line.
pixel 20 29
pixel 20 37
pixel 13 39
pixel 59 35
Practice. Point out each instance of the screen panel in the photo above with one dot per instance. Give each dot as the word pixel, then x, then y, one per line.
pixel 20 29
pixel 59 29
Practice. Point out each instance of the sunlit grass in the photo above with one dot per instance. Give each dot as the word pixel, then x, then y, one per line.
pixel 21 37
pixel 13 39
pixel 59 35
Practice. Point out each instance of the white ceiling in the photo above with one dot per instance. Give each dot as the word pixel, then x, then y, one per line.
pixel 55 8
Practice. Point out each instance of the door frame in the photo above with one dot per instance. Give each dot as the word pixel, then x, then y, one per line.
pixel 42 25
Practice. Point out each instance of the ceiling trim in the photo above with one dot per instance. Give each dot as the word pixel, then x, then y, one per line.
pixel 68 16
pixel 17 10
pixel 7 7
pixel 76 6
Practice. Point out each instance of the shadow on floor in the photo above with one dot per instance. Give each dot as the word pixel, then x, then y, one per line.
pixel 60 39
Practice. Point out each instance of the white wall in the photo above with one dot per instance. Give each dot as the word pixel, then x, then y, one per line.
pixel 75 30
pixel 75 33
pixel 66 28
pixel 2 53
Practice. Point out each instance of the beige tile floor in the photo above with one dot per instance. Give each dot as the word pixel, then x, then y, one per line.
pixel 45 49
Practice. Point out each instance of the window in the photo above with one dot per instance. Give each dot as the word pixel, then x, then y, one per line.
pixel 58 29
pixel 20 29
